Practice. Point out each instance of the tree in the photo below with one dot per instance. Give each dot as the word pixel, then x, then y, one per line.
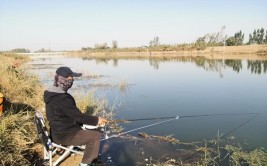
pixel 154 42
pixel 236 40
pixel 213 39
pixel 254 35
pixel 261 36
pixel 43 50
pixel 101 46
pixel 250 39
pixel 230 41
pixel 239 37
pixel 257 36
pixel 86 48
pixel 114 44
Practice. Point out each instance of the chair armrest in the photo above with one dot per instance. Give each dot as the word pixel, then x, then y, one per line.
pixel 89 127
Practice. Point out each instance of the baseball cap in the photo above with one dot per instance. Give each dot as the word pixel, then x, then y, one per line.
pixel 66 71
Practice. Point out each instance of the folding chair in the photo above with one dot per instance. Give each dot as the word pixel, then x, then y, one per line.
pixel 50 148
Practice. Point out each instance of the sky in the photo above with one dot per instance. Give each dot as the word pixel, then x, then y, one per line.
pixel 72 24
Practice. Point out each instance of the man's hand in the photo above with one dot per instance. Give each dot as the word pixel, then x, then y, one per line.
pixel 102 122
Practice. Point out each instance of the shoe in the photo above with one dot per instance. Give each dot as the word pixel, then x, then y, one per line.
pixel 98 160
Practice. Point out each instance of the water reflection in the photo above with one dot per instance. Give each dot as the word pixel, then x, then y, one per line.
pixel 236 65
pixel 255 66
pixel 154 63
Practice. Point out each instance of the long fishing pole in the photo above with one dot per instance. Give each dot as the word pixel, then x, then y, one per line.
pixel 170 119
pixel 186 116
pixel 143 127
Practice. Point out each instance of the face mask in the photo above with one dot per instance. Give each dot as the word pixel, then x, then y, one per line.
pixel 64 83
pixel 69 84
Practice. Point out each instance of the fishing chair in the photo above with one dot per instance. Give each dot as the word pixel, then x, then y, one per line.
pixel 50 148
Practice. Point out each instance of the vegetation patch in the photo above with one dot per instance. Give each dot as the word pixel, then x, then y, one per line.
pixel 216 151
pixel 22 93
pixel 262 52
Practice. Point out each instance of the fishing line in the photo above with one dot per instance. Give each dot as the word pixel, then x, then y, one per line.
pixel 224 135
pixel 176 118
pixel 143 127
pixel 106 137
pixel 180 117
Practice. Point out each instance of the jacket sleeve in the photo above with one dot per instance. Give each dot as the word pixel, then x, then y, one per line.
pixel 70 109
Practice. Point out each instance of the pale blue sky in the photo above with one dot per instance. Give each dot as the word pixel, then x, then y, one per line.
pixel 72 24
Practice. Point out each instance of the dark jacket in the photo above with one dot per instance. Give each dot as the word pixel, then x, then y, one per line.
pixel 63 115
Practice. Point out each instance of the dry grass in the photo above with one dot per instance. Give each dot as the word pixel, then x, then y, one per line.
pixel 17 136
pixel 17 85
pixel 122 85
pixel 240 157
pixel 23 94
pixel 93 105
pixel 216 152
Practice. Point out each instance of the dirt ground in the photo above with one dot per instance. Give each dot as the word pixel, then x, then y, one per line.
pixel 132 151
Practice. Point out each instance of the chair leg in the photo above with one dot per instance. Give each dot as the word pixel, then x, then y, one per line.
pixel 63 156
pixel 54 151
pixel 46 156
pixel 50 158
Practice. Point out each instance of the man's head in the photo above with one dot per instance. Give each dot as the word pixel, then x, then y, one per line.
pixel 64 78
pixel 66 71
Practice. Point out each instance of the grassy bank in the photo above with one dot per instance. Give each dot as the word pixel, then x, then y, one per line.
pixel 22 93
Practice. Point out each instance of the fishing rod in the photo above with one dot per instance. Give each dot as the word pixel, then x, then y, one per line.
pixel 186 116
pixel 106 137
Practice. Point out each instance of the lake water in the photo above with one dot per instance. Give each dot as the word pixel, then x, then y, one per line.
pixel 160 88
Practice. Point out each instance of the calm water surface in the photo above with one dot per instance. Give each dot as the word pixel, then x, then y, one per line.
pixel 176 88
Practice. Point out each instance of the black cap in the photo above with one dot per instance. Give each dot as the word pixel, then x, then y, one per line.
pixel 66 71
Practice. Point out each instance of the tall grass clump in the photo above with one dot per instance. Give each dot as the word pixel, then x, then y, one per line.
pixel 92 105
pixel 17 137
pixel 123 86
pixel 17 85
pixel 23 94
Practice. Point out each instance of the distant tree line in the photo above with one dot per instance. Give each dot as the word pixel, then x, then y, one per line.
pixel 20 50
pixel 213 39
pixel 259 36
pixel 25 50
pixel 101 46
pixel 43 50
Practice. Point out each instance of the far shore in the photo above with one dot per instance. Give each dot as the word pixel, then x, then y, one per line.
pixel 250 52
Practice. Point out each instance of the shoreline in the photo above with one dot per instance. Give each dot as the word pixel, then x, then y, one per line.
pixel 249 52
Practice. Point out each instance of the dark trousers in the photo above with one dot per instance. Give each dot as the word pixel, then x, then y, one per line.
pixel 90 138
